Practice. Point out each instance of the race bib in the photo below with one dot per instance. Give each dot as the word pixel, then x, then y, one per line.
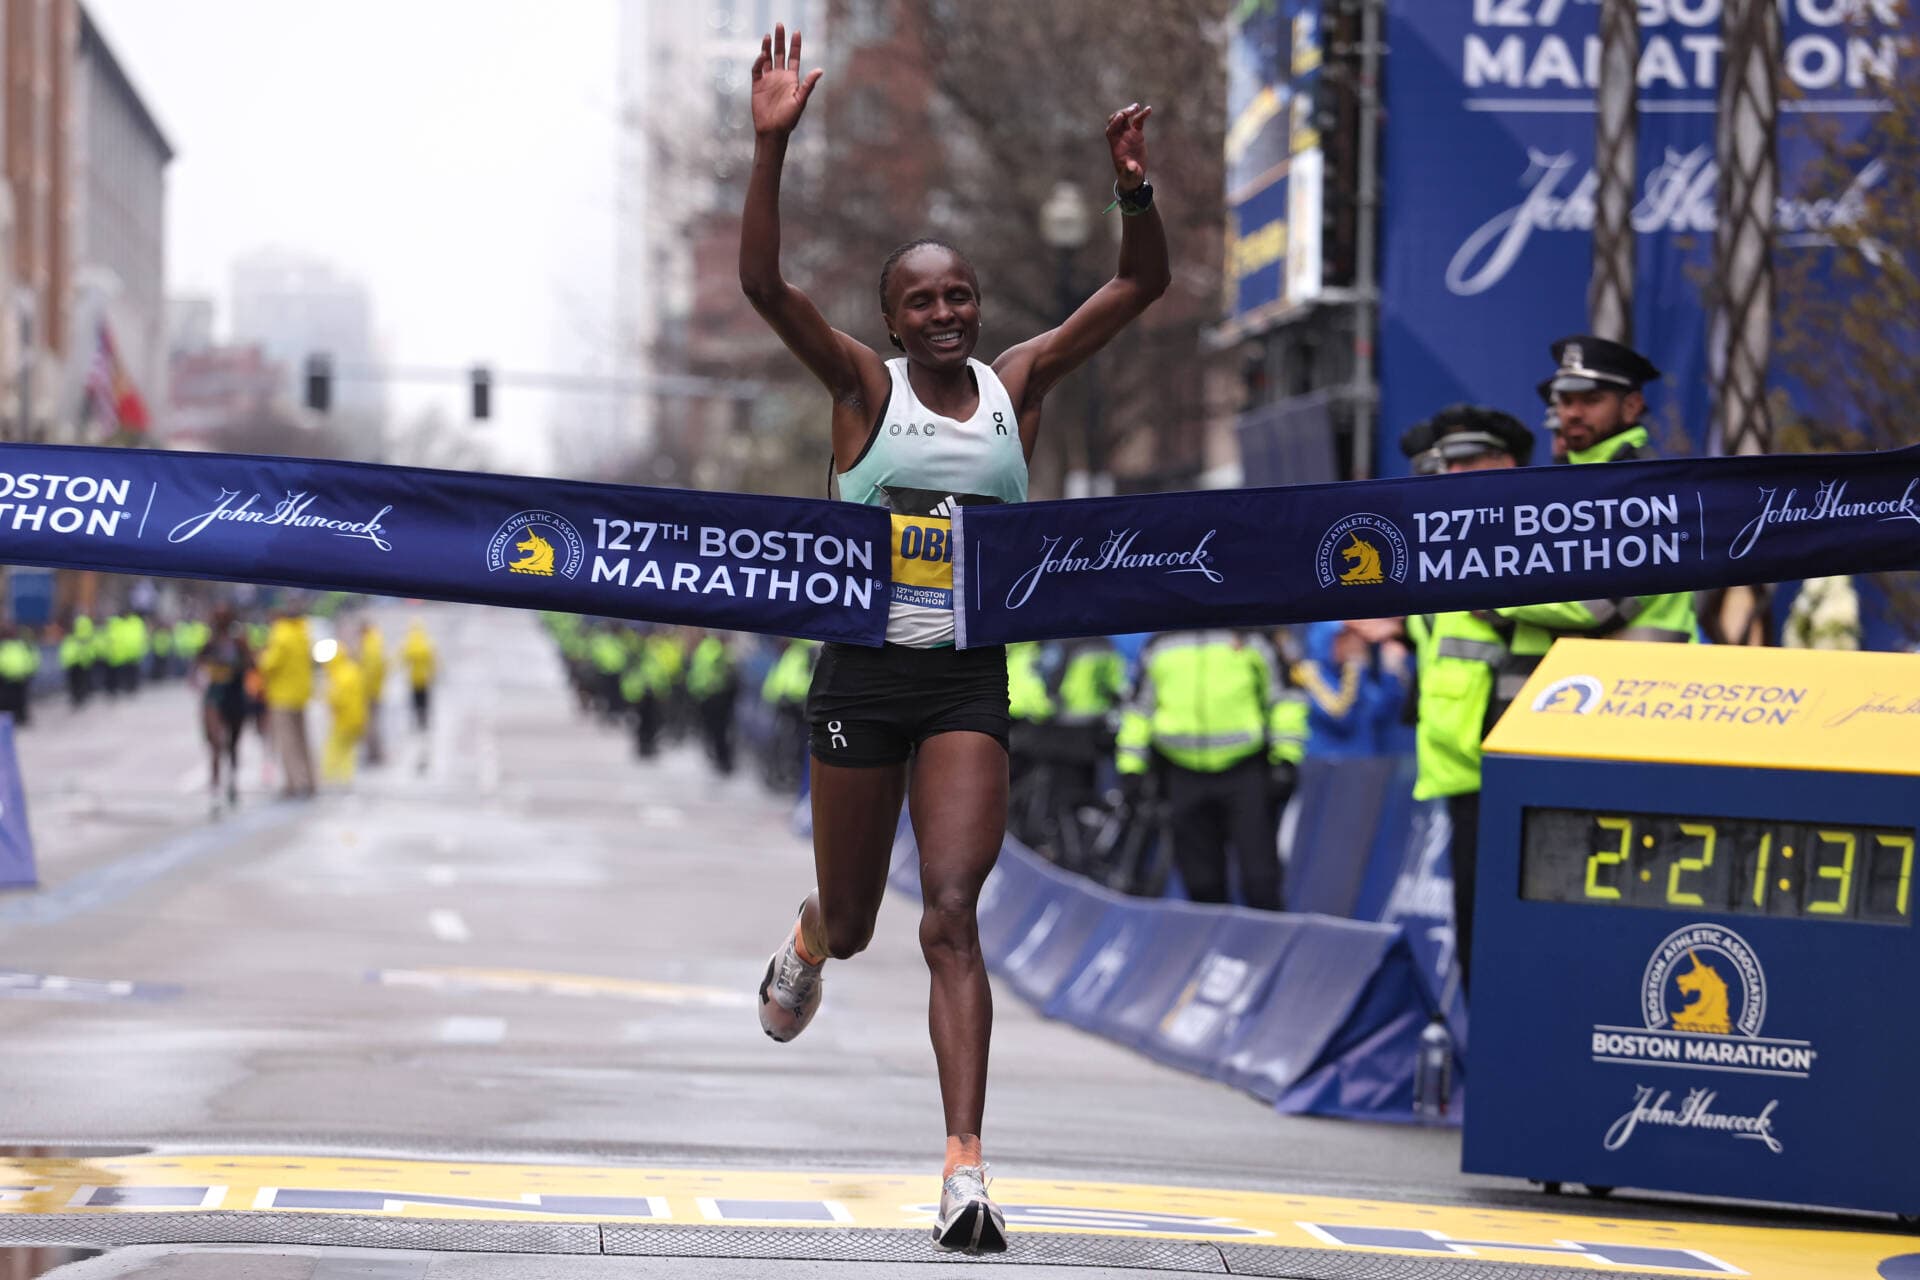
pixel 923 561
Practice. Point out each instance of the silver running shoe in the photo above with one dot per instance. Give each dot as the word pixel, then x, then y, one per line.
pixel 789 994
pixel 969 1221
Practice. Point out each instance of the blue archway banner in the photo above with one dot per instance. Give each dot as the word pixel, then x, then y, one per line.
pixel 785 565
pixel 1425 544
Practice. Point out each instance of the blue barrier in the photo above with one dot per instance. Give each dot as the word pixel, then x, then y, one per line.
pixel 16 839
pixel 1313 1014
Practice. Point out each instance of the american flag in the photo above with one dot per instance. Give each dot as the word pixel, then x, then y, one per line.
pixel 111 395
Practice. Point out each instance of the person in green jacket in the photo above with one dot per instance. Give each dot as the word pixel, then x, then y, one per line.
pixel 19 660
pixel 1598 400
pixel 713 685
pixel 80 660
pixel 1458 657
pixel 785 693
pixel 1213 712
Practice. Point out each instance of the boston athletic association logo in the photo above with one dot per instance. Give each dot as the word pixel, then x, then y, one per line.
pixel 1363 550
pixel 1570 696
pixel 537 543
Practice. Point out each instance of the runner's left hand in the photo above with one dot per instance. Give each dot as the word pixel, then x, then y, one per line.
pixel 1127 139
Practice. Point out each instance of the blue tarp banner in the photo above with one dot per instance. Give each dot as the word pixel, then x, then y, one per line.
pixel 786 566
pixel 1487 222
pixel 1387 548
pixel 16 839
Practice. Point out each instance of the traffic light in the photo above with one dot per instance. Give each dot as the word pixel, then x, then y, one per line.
pixel 482 379
pixel 319 382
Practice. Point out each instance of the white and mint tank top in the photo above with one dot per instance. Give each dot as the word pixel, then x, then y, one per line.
pixel 921 465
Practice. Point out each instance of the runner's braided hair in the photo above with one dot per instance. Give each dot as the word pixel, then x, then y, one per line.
pixel 924 242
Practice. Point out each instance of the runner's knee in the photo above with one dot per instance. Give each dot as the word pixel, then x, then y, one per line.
pixel 948 924
pixel 848 934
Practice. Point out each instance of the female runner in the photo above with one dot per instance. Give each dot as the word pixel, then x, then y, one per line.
pixel 931 429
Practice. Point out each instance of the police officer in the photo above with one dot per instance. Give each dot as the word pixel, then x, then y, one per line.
pixel 1458 655
pixel 19 660
pixel 712 684
pixel 1596 393
pixel 1596 399
pixel 1212 712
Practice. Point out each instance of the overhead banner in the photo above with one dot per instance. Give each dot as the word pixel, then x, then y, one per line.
pixel 785 566
pixel 1487 219
pixel 1387 548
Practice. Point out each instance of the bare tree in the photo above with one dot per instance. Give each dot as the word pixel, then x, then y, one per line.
pixel 1848 343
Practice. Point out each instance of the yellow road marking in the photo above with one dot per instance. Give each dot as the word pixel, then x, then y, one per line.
pixel 536 982
pixel 503 1192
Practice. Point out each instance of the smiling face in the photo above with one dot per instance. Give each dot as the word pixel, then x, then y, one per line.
pixel 933 307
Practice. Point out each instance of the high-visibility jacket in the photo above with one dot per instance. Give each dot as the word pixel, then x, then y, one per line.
pixel 1027 696
pixel 1459 657
pixel 190 637
pixel 1666 618
pixel 1093 681
pixel 286 665
pixel 665 658
pixel 19 659
pixel 606 653
pixel 80 646
pixel 711 669
pixel 417 652
pixel 1208 700
pixel 791 676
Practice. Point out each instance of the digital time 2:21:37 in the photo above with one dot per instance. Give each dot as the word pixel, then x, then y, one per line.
pixel 1739 866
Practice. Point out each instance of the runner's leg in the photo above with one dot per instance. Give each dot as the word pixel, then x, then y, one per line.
pixel 856 811
pixel 959 808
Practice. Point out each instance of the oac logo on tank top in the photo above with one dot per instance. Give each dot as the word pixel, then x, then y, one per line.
pixel 538 543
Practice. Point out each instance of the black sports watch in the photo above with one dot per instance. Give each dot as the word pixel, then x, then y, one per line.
pixel 1138 200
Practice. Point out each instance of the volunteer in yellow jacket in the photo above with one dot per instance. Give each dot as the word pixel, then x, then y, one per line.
pixel 1597 392
pixel 286 672
pixel 921 434
pixel 1459 656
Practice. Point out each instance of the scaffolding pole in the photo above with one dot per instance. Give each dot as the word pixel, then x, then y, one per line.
pixel 1742 338
pixel 1616 166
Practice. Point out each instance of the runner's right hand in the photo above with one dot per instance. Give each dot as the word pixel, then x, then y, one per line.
pixel 779 93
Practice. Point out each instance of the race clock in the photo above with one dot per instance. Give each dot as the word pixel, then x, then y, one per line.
pixel 1694 926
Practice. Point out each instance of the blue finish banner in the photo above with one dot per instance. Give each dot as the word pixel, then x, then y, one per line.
pixel 1487 221
pixel 1387 548
pixel 785 566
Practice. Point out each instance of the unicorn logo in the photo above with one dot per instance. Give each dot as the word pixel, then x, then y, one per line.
pixel 1363 550
pixel 1570 696
pixel 538 557
pixel 1366 563
pixel 539 544
pixel 1706 991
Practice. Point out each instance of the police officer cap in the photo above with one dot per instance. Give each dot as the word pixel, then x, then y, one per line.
pixel 1587 363
pixel 1416 442
pixel 1462 431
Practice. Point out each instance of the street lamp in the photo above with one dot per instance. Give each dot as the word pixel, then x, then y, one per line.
pixel 1066 223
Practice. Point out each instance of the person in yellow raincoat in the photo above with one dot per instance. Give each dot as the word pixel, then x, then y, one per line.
pixel 373 668
pixel 347 703
pixel 417 652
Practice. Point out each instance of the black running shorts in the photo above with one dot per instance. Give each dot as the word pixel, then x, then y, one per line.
pixel 876 706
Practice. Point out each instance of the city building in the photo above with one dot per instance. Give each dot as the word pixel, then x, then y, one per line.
pixel 119 157
pixel 292 306
pixel 39 39
pixel 686 142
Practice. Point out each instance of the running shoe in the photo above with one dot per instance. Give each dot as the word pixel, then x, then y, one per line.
pixel 969 1221
pixel 790 993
